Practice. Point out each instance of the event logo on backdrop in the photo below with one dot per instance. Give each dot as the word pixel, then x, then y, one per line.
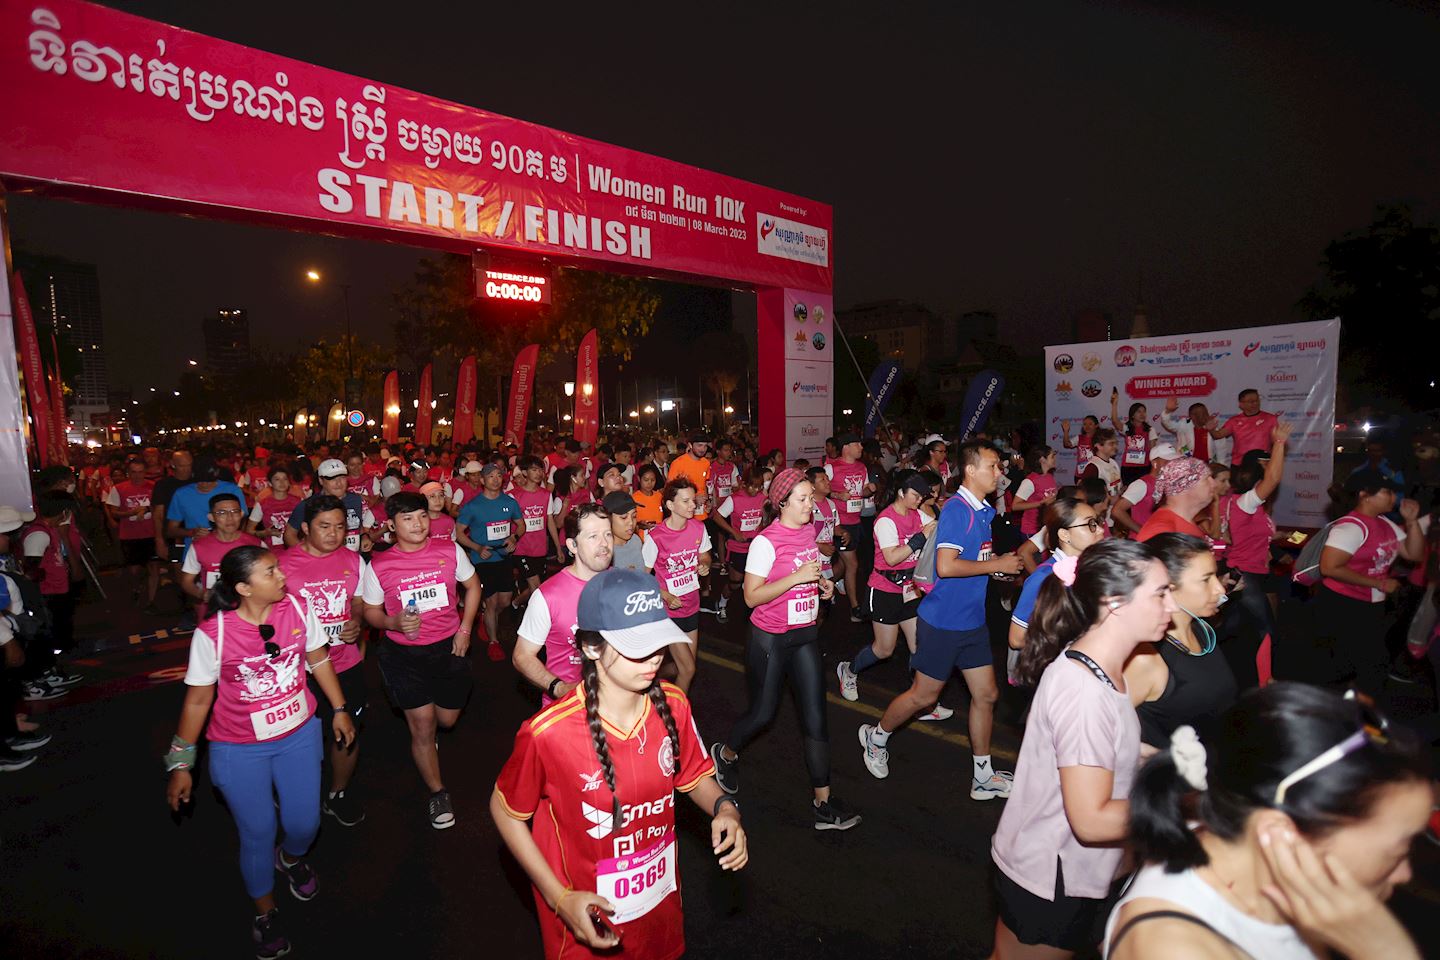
pixel 809 373
pixel 1292 365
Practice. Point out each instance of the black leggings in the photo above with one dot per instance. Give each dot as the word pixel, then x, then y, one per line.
pixel 770 657
pixel 1358 629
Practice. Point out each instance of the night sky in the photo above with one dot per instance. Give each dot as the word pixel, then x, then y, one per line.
pixel 1032 159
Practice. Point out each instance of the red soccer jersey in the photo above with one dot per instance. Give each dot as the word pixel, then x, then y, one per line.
pixel 555 777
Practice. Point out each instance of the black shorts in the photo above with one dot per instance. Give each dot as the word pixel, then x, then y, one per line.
pixel 417 676
pixel 527 567
pixel 1069 923
pixel 138 552
pixel 686 624
pixel 714 530
pixel 352 688
pixel 177 552
pixel 890 608
pixel 496 577
pixel 856 531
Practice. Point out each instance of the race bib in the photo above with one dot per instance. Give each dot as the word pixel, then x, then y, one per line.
pixel 802 611
pixel 722 490
pixel 987 552
pixel 1134 451
pixel 636 885
pixel 534 524
pixel 749 524
pixel 212 577
pixel 281 718
pixel 854 504
pixel 909 591
pixel 499 530
pixel 278 540
pixel 332 632
pixel 681 584
pixel 352 542
pixel 431 597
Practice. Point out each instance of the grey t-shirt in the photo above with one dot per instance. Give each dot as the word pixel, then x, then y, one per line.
pixel 627 555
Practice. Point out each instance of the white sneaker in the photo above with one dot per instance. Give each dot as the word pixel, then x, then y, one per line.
pixel 998 785
pixel 939 713
pixel 849 687
pixel 877 759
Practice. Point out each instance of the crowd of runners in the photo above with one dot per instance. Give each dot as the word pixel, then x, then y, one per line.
pixel 1174 785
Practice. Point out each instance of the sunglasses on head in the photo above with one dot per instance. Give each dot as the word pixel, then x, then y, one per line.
pixel 267 633
pixel 1374 729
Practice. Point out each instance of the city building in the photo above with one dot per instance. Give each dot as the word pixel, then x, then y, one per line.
pixel 65 299
pixel 227 342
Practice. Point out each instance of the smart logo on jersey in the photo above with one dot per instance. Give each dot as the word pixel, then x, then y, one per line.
pixel 792 240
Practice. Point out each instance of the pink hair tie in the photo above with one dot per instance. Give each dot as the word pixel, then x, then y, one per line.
pixel 1064 570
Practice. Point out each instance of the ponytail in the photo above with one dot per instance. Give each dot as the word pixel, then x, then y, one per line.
pixel 590 678
pixel 1162 805
pixel 1058 620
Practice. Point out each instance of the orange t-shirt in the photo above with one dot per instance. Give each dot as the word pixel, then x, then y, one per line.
pixel 647 507
pixel 1166 520
pixel 698 470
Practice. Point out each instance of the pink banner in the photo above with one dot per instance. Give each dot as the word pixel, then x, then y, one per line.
pixel 196 123
pixel 391 427
pixel 587 390
pixel 522 383
pixel 59 423
pixel 423 411
pixel 33 369
pixel 464 429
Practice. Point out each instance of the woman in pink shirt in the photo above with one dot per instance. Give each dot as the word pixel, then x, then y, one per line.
pixel 739 515
pixel 677 550
pixel 247 675
pixel 784 588
pixel 1058 847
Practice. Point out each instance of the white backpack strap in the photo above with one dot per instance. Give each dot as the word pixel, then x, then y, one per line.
pixel 219 636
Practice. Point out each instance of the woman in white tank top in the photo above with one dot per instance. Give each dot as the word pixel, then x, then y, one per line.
pixel 1278 838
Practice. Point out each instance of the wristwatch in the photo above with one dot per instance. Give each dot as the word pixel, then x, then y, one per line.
pixel 721 801
pixel 345 708
pixel 551 688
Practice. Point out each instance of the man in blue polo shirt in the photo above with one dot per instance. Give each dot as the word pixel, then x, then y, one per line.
pixel 950 632
pixel 488 525
pixel 188 512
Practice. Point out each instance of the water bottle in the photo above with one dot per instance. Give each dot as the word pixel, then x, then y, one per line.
pixel 412 609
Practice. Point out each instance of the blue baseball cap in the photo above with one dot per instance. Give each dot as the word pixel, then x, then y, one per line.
pixel 626 608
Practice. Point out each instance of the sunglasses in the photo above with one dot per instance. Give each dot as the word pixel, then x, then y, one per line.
pixel 1374 729
pixel 267 633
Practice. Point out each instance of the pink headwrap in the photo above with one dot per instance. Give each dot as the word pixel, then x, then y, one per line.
pixel 1180 475
pixel 782 484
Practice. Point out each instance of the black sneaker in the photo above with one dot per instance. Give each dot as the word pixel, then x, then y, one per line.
pixel 834 815
pixel 442 814
pixel 345 809
pixel 57 677
pixel 11 761
pixel 269 941
pixel 40 690
pixel 304 884
pixel 27 741
pixel 725 773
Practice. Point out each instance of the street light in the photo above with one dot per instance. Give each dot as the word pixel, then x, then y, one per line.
pixel 649 408
pixel 314 277
pixel 569 388
pixel 194 363
pixel 634 414
pixel 729 409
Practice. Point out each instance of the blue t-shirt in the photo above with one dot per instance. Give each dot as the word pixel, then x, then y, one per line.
pixel 479 513
pixel 958 603
pixel 1025 606
pixel 190 506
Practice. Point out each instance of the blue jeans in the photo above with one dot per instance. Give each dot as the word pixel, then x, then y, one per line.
pixel 249 775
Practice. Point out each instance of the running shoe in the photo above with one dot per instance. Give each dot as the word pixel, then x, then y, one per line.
pixel 442 814
pixel 57 677
pixel 849 684
pixel 27 741
pixel 721 615
pixel 10 760
pixel 940 712
pixel 301 876
pixel 496 652
pixel 40 690
pixel 877 759
pixel 998 785
pixel 345 809
pixel 269 941
pixel 725 773
pixel 707 607
pixel 833 815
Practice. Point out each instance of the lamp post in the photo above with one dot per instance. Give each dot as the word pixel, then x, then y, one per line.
pixel 314 277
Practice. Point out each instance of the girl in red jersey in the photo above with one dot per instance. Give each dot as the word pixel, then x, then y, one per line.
pixel 603 869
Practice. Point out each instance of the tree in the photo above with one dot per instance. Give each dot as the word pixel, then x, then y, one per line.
pixel 1384 285
pixel 849 387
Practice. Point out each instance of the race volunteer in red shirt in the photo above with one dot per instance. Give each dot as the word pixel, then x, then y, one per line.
pixel 598 771
pixel 128 505
pixel 1251 427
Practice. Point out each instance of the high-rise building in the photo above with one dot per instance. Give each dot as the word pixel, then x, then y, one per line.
pixel 227 342
pixel 65 297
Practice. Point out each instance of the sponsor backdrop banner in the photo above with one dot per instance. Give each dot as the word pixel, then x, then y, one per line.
pixel 985 388
pixel 522 383
pixel 809 373
pixel 587 390
pixel 1292 365
pixel 187 119
pixel 424 413
pixel 14 461
pixel 882 387
pixel 464 428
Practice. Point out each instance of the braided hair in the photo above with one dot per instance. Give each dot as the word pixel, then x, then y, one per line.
pixel 590 678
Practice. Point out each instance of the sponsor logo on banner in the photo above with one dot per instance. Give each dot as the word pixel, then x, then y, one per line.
pixel 1064 363
pixel 792 240
pixel 811 389
pixel 1280 376
pixel 801 312
pixel 818 341
pixel 1125 356
pixel 819 313
pixel 1287 345
pixel 1090 362
pixel 1091 388
pixel 1062 389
